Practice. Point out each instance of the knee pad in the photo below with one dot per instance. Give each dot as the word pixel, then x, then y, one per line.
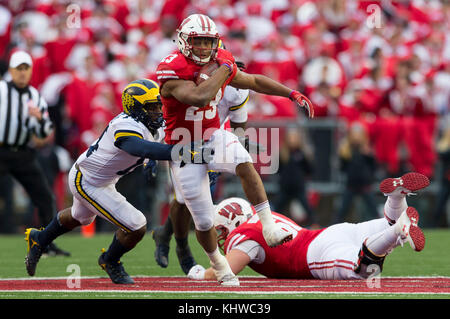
pixel 368 263
pixel 203 223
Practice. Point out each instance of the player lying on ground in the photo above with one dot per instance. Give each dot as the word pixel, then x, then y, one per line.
pixel 126 142
pixel 190 111
pixel 341 251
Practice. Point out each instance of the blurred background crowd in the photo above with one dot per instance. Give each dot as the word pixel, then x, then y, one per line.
pixel 377 72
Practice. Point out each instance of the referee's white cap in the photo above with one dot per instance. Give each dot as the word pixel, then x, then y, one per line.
pixel 18 58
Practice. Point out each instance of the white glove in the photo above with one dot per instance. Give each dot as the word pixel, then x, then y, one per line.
pixel 197 272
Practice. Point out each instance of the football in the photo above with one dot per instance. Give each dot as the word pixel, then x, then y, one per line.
pixel 206 71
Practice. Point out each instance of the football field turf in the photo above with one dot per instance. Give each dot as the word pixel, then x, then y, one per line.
pixel 402 269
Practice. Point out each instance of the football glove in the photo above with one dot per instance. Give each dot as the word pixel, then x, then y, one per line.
pixel 224 57
pixel 302 101
pixel 196 153
pixel 240 65
pixel 151 169
pixel 213 176
pixel 197 273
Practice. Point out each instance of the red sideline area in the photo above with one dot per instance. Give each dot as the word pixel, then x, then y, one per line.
pixel 406 285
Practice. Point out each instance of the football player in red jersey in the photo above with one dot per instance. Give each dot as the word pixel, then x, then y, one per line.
pixel 341 251
pixel 232 113
pixel 190 112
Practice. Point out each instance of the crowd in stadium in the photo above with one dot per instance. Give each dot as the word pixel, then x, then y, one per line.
pixel 383 65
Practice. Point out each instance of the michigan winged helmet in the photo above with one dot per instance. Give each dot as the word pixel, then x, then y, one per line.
pixel 141 100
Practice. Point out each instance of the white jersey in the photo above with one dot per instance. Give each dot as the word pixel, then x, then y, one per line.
pixel 103 163
pixel 232 105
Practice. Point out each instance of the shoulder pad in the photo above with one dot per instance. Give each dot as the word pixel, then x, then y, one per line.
pixel 172 67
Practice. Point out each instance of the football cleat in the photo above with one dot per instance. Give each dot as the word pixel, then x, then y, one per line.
pixel 229 280
pixel 405 185
pixel 34 250
pixel 275 235
pixel 162 248
pixel 185 259
pixel 408 229
pixel 115 271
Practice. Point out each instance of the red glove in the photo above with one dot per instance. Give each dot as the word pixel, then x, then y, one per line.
pixel 224 57
pixel 302 101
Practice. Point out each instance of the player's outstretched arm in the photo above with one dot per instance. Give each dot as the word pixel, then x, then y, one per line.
pixel 141 148
pixel 265 85
pixel 237 260
pixel 195 153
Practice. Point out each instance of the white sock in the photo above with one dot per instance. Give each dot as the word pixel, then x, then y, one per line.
pixel 264 213
pixel 381 243
pixel 219 263
pixel 395 206
pixel 214 256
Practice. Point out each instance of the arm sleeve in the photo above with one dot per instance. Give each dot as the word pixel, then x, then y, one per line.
pixel 141 148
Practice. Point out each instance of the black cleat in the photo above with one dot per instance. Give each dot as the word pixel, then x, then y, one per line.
pixel 185 259
pixel 162 247
pixel 53 250
pixel 115 271
pixel 34 250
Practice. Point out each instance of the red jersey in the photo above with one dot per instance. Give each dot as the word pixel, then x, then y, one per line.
pixel 179 115
pixel 284 261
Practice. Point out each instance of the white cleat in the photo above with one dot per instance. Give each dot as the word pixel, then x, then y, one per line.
pixel 230 280
pixel 275 235
pixel 408 229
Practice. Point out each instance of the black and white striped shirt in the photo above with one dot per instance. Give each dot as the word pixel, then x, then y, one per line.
pixel 16 126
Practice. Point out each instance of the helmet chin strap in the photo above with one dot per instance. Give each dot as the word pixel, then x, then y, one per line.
pixel 199 60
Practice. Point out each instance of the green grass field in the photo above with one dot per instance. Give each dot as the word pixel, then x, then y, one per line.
pixel 434 260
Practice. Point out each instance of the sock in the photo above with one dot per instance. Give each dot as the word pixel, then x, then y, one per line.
pixel 215 256
pixel 168 228
pixel 115 251
pixel 53 230
pixel 381 243
pixel 264 213
pixel 182 243
pixel 394 207
pixel 219 263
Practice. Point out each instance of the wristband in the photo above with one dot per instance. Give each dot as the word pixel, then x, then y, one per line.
pixel 228 66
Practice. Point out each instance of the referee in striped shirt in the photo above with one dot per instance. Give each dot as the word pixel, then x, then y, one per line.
pixel 23 113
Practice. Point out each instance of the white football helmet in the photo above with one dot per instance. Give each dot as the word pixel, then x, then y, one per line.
pixel 230 213
pixel 197 25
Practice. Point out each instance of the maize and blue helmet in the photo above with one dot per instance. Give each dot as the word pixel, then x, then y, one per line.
pixel 138 97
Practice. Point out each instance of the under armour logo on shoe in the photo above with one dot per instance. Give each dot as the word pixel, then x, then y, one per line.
pixel 399 181
pixel 414 221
